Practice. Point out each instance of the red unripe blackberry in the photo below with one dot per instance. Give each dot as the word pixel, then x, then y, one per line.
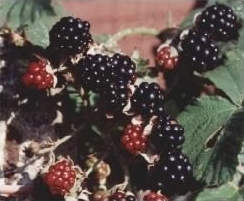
pixel 166 57
pixel 37 76
pixel 152 196
pixel 219 20
pixel 199 52
pixel 60 177
pixel 70 36
pixel 117 196
pixel 133 139
pixel 28 79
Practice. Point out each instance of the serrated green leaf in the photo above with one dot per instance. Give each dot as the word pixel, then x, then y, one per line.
pixel 214 126
pixel 22 14
pixel 227 192
pixel 229 76
pixel 216 163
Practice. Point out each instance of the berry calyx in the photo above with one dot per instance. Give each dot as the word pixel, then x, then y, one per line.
pixel 133 139
pixel 60 177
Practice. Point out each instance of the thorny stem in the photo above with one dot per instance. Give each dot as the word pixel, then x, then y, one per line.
pixel 112 41
pixel 121 186
pixel 59 142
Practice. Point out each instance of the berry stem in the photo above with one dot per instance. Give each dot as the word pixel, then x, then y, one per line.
pixel 60 141
pixel 112 41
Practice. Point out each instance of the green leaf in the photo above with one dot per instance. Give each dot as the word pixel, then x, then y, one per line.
pixel 213 132
pixel 229 76
pixel 227 192
pixel 30 15
pixel 214 129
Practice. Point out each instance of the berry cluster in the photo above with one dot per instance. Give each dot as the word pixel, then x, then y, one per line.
pixel 37 76
pixel 60 177
pixel 108 76
pixel 172 173
pixel 165 59
pixel 197 49
pixel 133 139
pixel 147 99
pixel 70 36
pixel 152 196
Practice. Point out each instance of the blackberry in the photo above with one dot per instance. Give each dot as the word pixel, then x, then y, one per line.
pixel 218 20
pixel 166 135
pixel 124 68
pixel 172 174
pixel 70 36
pixel 199 53
pixel 147 99
pixel 94 72
pixel 115 96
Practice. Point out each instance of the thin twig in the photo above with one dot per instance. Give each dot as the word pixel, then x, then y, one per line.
pixel 131 31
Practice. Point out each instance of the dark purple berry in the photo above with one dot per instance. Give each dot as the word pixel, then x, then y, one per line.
pixel 172 174
pixel 124 67
pixel 199 52
pixel 94 72
pixel 147 99
pixel 166 135
pixel 218 20
pixel 70 36
pixel 115 96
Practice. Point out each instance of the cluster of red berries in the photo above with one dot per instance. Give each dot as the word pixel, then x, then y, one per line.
pixel 37 76
pixel 152 196
pixel 133 139
pixel 165 57
pixel 60 177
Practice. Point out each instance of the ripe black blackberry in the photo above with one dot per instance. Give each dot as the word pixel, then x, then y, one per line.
pixel 115 96
pixel 124 67
pixel 70 36
pixel 218 20
pixel 94 72
pixel 147 99
pixel 166 135
pixel 199 52
pixel 172 174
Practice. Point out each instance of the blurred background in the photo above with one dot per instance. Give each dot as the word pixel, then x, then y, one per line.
pixel 112 16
